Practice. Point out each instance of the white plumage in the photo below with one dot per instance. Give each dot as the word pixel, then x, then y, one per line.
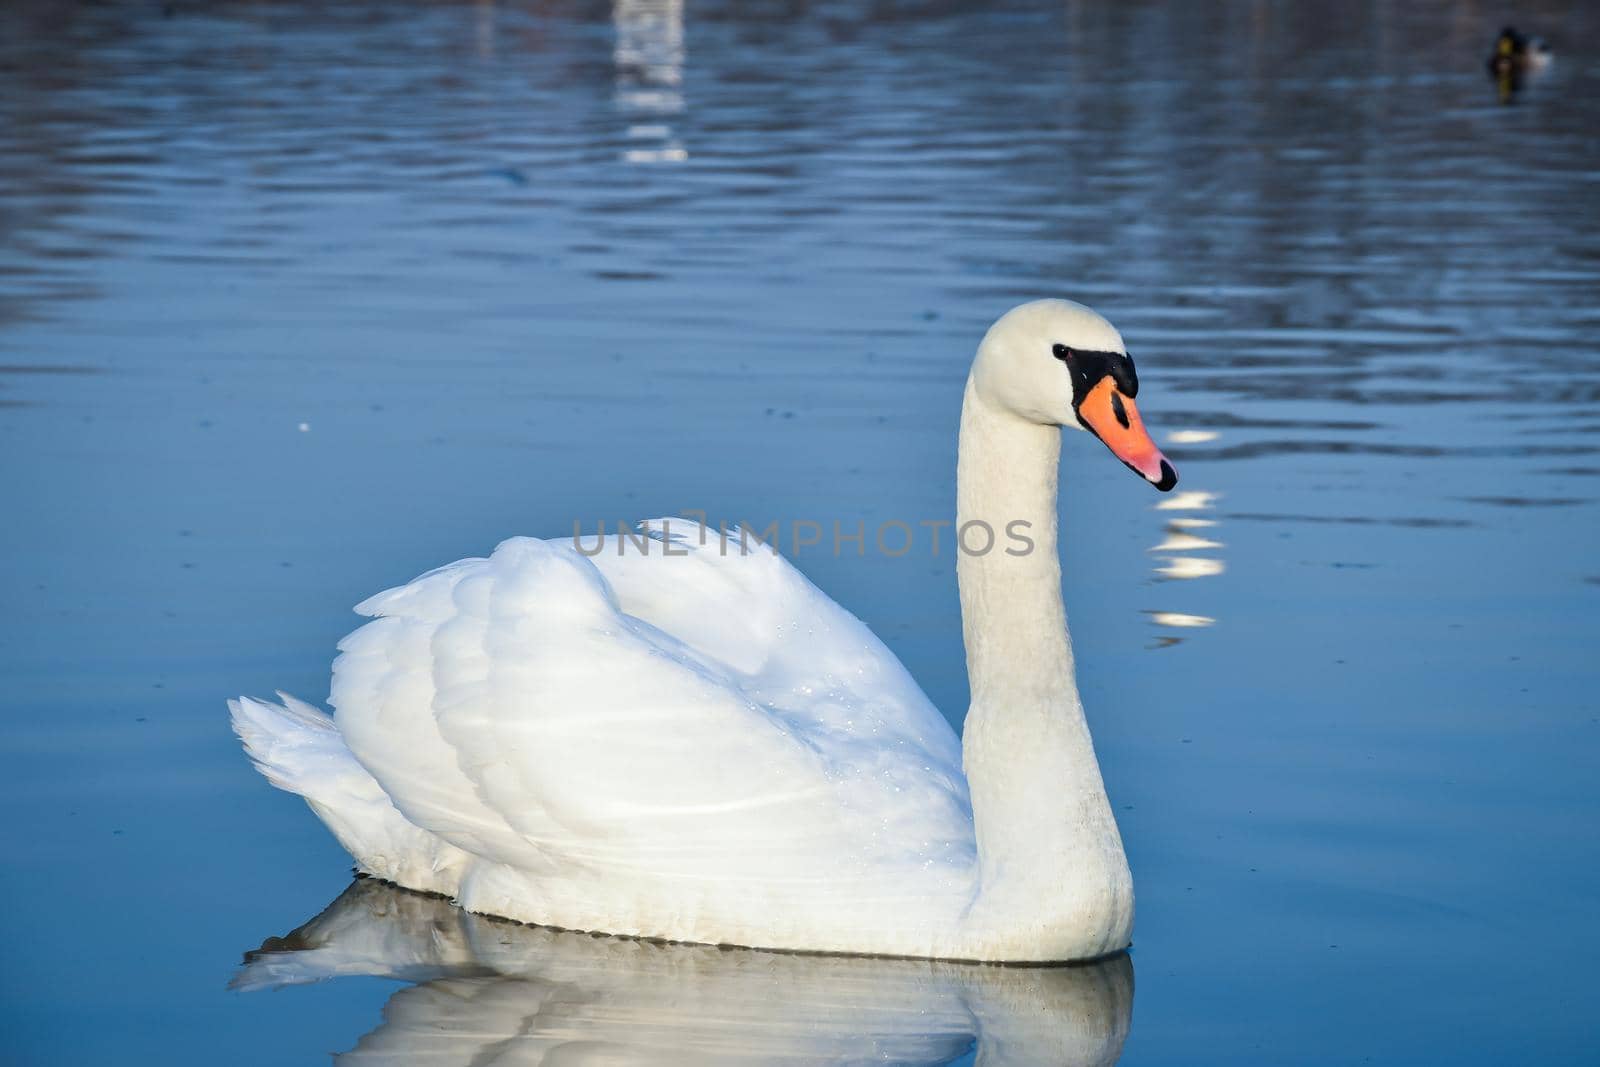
pixel 679 736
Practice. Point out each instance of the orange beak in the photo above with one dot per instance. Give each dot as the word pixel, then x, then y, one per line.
pixel 1114 418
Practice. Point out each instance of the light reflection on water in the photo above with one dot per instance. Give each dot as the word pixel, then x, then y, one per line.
pixel 515 265
pixel 1184 535
pixel 649 57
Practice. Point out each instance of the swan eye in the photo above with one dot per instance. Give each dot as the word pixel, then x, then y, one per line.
pixel 1061 352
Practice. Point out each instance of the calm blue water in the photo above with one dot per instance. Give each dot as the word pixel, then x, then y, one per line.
pixel 297 302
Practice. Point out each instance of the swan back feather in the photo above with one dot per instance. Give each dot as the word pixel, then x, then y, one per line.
pixel 578 731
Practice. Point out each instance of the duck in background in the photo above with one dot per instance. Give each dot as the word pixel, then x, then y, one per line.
pixel 1518 52
pixel 1516 55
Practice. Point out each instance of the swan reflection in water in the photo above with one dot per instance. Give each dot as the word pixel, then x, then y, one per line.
pixel 485 989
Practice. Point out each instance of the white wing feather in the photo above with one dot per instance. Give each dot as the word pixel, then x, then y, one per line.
pixel 704 716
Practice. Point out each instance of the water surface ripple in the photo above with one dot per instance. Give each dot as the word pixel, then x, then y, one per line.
pixel 300 300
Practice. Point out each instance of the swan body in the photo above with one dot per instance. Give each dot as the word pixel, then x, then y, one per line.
pixel 673 734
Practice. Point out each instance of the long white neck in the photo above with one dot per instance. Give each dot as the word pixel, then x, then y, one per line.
pixel 1049 852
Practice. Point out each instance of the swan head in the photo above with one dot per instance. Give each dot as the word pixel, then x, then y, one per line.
pixel 1054 362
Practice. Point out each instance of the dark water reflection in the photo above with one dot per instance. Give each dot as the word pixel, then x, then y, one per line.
pixel 299 300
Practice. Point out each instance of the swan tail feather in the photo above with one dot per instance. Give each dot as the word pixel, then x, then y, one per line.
pixel 299 749
pixel 295 746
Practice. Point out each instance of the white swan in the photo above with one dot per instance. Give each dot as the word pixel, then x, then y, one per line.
pixel 696 744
